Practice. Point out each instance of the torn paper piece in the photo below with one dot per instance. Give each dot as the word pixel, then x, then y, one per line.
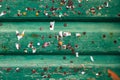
pixel 46 44
pixel 17 69
pixel 60 34
pixel 91 58
pixel 30 45
pixel 52 24
pixel 25 51
pixel 46 14
pixel 33 50
pixel 92 10
pixel 107 4
pixel 79 1
pixel 60 15
pixel 77 54
pixel 23 33
pixel 17 33
pixel 0 5
pixel 19 36
pixel 78 34
pixel 97 74
pixel 17 46
pixel 66 34
pixel 57 37
pixel 64 46
pixel 2 13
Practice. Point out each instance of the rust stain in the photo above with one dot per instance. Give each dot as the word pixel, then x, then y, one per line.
pixel 113 75
pixel 35 35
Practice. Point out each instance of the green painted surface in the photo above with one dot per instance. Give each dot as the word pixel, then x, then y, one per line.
pixel 42 7
pixel 96 38
pixel 98 45
pixel 57 67
pixel 99 40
